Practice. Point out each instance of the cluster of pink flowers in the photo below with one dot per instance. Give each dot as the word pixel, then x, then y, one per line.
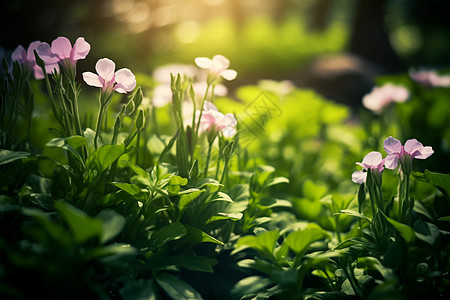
pixel 381 97
pixel 396 153
pixel 62 53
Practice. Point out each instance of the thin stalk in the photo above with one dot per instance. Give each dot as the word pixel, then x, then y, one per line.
pixel 216 176
pixel 225 169
pixel 208 157
pixel 138 142
pixel 99 122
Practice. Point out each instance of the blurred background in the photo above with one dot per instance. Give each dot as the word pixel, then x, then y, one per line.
pixel 336 47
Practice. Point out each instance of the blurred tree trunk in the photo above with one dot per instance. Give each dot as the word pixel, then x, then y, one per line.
pixel 369 38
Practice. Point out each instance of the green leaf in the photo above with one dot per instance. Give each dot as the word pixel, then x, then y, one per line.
pixel 445 219
pixel 277 180
pixel 178 180
pixel 106 155
pixel 141 289
pixel 313 191
pixel 113 224
pixel 441 181
pixel 62 143
pixel 426 232
pixel 113 249
pixel 300 240
pixel 82 226
pixel 225 216
pixel 7 156
pixel 419 208
pixel 131 189
pixel 405 231
pixel 263 243
pixel 192 262
pixel 186 197
pixel 353 213
pixel 196 236
pixel 250 286
pixel 177 288
pixel 171 232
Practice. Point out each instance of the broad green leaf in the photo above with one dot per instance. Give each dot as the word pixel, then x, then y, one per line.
pixel 313 191
pixel 177 288
pixel 196 236
pixel 372 263
pixel 405 231
pixel 106 155
pixel 225 216
pixel 171 232
pixel 441 181
pixel 55 230
pixel 141 289
pixel 419 208
pixel 113 249
pixel 113 224
pixel 353 213
pixel 277 180
pixel 186 197
pixel 263 243
pixel 250 286
pixel 7 156
pixel 220 196
pixel 192 262
pixel 445 218
pixel 82 226
pixel 426 232
pixel 62 143
pixel 131 189
pixel 300 240
pixel 178 180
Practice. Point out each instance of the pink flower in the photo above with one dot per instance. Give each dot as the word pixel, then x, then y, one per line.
pixel 212 120
pixel 122 81
pixel 217 66
pixel 412 149
pixel 373 160
pixel 27 59
pixel 380 97
pixel 429 78
pixel 62 50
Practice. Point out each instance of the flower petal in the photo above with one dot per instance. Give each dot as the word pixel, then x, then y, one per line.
pixel 30 51
pixel 45 53
pixel 105 68
pixel 162 95
pixel 392 145
pixel 359 177
pixel 62 47
pixel 80 49
pixel 391 161
pixel 229 74
pixel 412 146
pixel 424 153
pixel 125 81
pixel 229 132
pixel 19 54
pixel 372 160
pixel 203 62
pixel 220 62
pixel 92 79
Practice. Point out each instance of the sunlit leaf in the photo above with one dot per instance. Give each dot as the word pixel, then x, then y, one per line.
pixel 7 156
pixel 405 231
pixel 171 232
pixel 113 224
pixel 82 226
pixel 177 288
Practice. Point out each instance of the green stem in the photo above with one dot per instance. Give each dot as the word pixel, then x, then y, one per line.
pixel 207 159
pixel 99 122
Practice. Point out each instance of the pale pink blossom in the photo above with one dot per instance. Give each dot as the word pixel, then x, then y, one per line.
pixel 122 81
pixel 27 59
pixel 212 119
pixel 412 149
pixel 61 50
pixel 217 67
pixel 430 78
pixel 380 97
pixel 374 161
